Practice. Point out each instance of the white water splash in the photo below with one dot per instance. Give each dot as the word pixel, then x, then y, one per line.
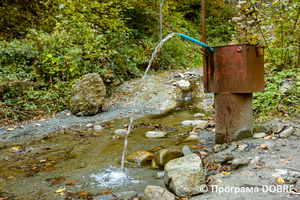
pixel 115 177
pixel 138 94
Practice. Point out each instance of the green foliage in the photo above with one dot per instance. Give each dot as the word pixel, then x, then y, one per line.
pixel 277 28
pixel 61 40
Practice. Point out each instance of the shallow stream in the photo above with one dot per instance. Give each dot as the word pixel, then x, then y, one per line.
pixel 38 168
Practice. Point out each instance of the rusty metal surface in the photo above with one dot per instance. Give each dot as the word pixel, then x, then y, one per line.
pixel 235 71
pixel 233 117
pixel 205 81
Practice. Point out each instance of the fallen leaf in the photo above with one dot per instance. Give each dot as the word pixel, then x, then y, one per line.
pixel 203 152
pixel 280 180
pixel 42 160
pixel 226 173
pixel 42 119
pixel 10 129
pixel 60 190
pixel 291 157
pixel 59 179
pixel 267 137
pixel 275 175
pixel 61 194
pixel 284 161
pixel 83 194
pixel 71 182
pixel 107 191
pixel 264 146
pixel 49 169
pixel 219 180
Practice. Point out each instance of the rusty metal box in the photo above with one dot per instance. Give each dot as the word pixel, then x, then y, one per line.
pixel 234 69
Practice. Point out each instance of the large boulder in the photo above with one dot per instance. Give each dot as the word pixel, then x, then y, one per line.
pixel 184 176
pixel 165 155
pixel 155 193
pixel 87 95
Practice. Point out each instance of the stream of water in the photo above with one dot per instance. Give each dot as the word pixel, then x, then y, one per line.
pixel 158 47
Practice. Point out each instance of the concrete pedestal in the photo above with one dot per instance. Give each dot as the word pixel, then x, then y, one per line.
pixel 234 117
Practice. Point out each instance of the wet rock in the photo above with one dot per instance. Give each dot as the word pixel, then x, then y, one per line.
pixel 258 135
pixel 202 125
pixel 163 156
pixel 297 132
pixel 287 132
pixel 184 176
pixel 121 132
pixel 220 157
pixel 155 192
pixel 247 174
pixel 183 84
pixel 262 128
pixel 286 86
pixel 277 128
pixel 186 150
pixel 190 138
pixel 87 95
pixel 192 122
pixel 156 134
pixel 240 162
pixel 159 175
pixel 199 115
pixel 98 128
pixel 140 157
pixel 297 186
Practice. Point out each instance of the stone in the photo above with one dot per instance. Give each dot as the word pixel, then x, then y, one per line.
pixel 159 175
pixel 253 151
pixel 140 157
pixel 219 147
pixel 87 95
pixel 286 86
pixel 123 195
pixel 192 122
pixel 236 163
pixel 297 132
pixel 233 146
pixel 98 128
pixel 184 176
pixel 186 150
pixel 259 135
pixel 155 192
pixel 262 128
pixel 297 186
pixel 190 138
pixel 156 134
pixel 183 84
pixel 163 156
pixel 220 157
pixel 121 132
pixel 287 132
pixel 247 174
pixel 277 128
pixel 202 125
pixel 199 115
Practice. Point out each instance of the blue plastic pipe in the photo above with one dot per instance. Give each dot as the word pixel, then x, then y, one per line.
pixel 196 41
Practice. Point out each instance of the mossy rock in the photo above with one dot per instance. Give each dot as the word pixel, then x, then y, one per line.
pixel 140 157
pixel 88 95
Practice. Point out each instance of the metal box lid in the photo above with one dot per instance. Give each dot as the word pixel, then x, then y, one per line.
pixel 234 69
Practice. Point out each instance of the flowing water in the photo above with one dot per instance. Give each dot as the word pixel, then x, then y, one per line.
pixel 158 47
pixel 89 157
